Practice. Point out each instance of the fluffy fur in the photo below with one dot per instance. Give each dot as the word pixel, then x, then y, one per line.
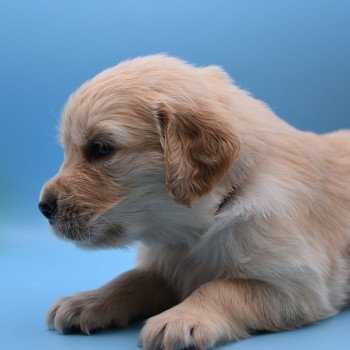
pixel 274 255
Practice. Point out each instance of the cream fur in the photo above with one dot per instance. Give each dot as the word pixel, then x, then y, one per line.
pixel 277 254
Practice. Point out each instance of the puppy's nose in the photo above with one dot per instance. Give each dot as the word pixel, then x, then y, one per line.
pixel 48 206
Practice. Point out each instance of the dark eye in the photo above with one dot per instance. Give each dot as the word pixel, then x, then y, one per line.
pixel 102 149
pixel 98 149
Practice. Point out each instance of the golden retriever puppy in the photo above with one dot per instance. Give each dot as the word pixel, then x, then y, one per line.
pixel 242 221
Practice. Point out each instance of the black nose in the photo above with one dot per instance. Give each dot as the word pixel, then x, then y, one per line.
pixel 48 206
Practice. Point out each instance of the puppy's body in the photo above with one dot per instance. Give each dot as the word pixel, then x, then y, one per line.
pixel 288 226
pixel 255 234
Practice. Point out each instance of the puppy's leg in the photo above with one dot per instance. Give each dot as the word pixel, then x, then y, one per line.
pixel 222 311
pixel 133 295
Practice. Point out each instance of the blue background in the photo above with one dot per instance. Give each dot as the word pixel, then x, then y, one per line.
pixel 293 54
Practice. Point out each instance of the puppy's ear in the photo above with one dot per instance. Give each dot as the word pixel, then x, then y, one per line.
pixel 199 149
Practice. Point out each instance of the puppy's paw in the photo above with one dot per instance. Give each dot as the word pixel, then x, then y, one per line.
pixel 84 312
pixel 179 328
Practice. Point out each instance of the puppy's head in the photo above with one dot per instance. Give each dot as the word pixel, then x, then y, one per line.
pixel 141 141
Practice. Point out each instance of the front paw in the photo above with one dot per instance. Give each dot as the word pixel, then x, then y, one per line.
pixel 84 312
pixel 179 328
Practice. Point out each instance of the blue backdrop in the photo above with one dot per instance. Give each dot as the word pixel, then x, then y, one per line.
pixel 293 54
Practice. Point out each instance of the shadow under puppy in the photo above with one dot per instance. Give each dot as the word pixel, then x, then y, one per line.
pixel 242 221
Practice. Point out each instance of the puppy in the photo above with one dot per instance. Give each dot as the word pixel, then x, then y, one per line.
pixel 242 221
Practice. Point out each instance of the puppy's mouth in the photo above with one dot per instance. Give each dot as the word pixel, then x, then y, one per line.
pixel 73 227
pixel 88 230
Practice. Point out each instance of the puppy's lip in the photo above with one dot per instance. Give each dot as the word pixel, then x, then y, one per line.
pixel 89 230
pixel 70 229
pixel 52 220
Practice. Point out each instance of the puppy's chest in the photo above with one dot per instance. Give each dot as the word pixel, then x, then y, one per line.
pixel 237 250
pixel 184 272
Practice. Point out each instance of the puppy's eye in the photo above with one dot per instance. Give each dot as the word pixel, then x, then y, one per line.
pixel 101 149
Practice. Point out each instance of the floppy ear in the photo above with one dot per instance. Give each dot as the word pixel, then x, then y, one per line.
pixel 199 149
